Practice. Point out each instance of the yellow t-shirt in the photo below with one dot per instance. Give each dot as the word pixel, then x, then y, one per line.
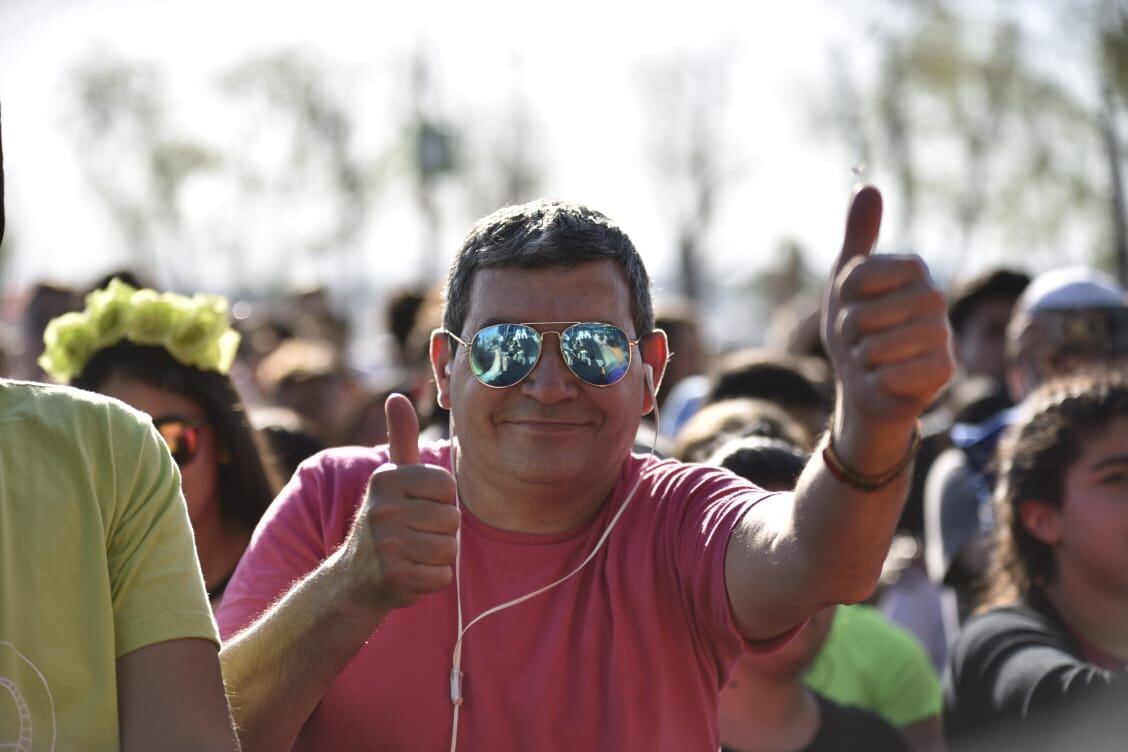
pixel 96 560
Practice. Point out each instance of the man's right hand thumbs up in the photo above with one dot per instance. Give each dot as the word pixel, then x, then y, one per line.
pixel 403 430
pixel 402 544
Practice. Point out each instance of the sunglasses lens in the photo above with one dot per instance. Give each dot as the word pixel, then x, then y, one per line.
pixel 503 354
pixel 597 353
pixel 183 440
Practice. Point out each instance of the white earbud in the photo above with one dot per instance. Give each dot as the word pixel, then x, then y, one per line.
pixel 449 368
pixel 648 374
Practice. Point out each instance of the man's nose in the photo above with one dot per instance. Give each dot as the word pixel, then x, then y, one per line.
pixel 550 380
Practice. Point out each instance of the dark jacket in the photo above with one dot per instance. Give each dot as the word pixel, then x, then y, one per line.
pixel 1018 680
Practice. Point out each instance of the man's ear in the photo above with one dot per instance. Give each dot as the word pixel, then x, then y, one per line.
pixel 1041 520
pixel 442 365
pixel 655 352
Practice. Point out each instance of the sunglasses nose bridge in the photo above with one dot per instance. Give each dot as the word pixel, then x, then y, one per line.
pixel 558 376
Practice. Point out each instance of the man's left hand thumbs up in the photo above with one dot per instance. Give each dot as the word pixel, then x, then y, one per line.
pixel 885 326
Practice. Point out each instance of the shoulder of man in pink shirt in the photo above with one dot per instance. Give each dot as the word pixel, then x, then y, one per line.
pixel 307 521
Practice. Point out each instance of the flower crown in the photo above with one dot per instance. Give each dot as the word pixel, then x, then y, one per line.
pixel 194 330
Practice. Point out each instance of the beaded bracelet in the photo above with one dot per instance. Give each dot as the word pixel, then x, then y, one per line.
pixel 851 477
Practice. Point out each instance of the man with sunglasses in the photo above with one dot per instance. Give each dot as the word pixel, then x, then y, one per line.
pixel 106 636
pixel 534 585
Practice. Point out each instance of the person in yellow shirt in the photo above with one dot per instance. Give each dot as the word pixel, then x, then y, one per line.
pixel 106 638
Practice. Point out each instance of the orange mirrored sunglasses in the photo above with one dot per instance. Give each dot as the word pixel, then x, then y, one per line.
pixel 181 435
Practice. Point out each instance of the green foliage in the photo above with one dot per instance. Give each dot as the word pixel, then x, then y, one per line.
pixel 987 144
pixel 1113 46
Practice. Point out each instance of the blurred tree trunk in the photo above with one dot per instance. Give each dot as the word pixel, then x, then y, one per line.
pixel 507 164
pixel 1112 67
pixel 1111 139
pixel 433 158
pixel 686 99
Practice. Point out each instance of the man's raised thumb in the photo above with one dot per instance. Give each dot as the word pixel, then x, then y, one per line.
pixel 403 430
pixel 863 223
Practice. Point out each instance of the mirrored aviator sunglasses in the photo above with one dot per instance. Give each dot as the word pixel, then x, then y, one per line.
pixel 502 355
pixel 181 435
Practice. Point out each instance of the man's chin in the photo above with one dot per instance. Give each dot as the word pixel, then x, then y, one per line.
pixel 547 471
pixel 547 465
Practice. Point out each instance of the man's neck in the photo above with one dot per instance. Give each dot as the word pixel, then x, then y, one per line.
pixel 1097 616
pixel 506 502
pixel 761 714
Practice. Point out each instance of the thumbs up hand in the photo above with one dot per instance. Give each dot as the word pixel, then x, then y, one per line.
pixel 402 544
pixel 885 327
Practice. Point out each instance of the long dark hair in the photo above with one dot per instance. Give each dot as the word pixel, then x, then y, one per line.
pixel 1033 460
pixel 246 480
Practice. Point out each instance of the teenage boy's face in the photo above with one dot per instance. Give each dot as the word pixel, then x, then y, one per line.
pixel 1091 535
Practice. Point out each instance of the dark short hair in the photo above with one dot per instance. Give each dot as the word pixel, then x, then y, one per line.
pixel 540 234
pixel 791 381
pixel 128 276
pixel 1000 283
pixel 400 314
pixel 246 481
pixel 770 463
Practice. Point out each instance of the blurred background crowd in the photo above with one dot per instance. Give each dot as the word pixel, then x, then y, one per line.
pixel 325 209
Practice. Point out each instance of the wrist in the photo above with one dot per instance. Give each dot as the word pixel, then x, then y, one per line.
pixel 863 480
pixel 872 447
pixel 347 595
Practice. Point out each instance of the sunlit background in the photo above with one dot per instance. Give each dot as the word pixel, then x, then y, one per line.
pixel 254 148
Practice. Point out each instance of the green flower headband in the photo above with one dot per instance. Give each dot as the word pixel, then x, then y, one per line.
pixel 195 330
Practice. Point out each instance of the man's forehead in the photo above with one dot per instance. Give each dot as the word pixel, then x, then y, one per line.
pixel 593 290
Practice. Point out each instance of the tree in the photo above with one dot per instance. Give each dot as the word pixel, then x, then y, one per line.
pixel 686 103
pixel 136 165
pixel 978 134
pixel 433 142
pixel 297 165
pixel 505 147
pixel 1112 66
pixel 293 190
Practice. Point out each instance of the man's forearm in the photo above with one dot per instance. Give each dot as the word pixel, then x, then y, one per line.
pixel 278 668
pixel 794 555
pixel 845 531
pixel 886 332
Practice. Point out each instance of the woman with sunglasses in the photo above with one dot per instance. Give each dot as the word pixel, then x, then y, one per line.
pixel 168 355
pixel 1047 666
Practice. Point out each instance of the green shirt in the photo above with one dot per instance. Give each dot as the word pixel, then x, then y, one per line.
pixel 873 664
pixel 96 560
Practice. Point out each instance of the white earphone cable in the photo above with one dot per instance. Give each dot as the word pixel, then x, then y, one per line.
pixel 456 697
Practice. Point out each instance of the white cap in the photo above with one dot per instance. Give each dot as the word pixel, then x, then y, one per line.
pixel 1071 288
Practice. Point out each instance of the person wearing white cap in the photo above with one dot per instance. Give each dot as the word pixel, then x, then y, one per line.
pixel 1067 320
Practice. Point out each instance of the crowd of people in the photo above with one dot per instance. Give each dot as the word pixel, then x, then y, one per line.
pixel 568 523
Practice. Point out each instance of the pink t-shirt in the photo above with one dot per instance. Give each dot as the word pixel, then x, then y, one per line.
pixel 629 654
